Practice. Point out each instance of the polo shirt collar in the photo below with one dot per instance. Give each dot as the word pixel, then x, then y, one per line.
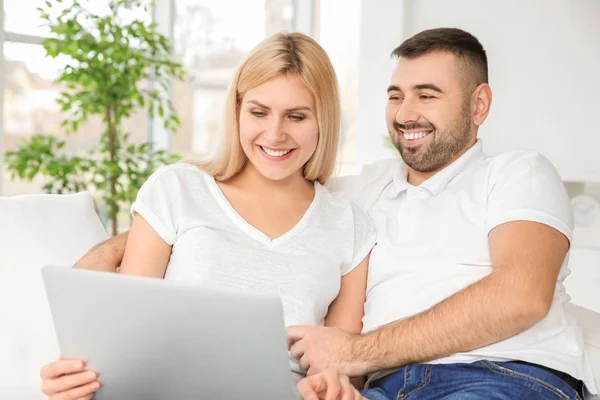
pixel 438 182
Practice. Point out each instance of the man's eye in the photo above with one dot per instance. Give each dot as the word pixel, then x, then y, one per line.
pixel 395 97
pixel 426 97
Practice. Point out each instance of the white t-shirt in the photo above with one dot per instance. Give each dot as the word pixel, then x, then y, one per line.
pixel 213 245
pixel 432 241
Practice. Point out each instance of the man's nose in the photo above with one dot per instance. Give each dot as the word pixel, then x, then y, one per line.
pixel 407 113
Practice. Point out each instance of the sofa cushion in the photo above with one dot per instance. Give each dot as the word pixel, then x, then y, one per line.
pixel 590 324
pixel 36 230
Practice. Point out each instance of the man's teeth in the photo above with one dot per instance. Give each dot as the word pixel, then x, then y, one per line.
pixel 275 153
pixel 415 135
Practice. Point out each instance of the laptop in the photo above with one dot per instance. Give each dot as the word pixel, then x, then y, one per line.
pixel 154 339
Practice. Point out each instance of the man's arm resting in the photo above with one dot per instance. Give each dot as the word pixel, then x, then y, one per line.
pixel 526 256
pixel 105 256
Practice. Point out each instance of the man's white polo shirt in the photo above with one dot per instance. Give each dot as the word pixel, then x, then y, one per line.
pixel 432 241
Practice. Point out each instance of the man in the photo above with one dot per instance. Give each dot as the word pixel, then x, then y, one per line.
pixel 465 296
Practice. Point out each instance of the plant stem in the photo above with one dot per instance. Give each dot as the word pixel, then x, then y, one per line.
pixel 112 138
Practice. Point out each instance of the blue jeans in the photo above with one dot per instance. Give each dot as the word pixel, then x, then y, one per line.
pixel 479 380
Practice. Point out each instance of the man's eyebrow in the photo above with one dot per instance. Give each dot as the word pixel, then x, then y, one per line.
pixel 429 86
pixel 299 108
pixel 393 88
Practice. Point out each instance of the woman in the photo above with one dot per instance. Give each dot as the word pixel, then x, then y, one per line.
pixel 256 217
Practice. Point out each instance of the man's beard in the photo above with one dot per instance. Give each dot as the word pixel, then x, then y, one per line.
pixel 444 146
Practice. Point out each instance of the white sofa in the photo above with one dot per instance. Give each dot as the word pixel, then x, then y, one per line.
pixel 36 230
pixel 49 229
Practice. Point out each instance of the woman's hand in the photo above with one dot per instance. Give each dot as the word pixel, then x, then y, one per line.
pixel 68 380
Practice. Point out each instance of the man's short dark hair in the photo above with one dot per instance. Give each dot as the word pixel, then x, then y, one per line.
pixel 461 44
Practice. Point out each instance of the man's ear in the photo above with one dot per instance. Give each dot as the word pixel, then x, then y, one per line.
pixel 482 101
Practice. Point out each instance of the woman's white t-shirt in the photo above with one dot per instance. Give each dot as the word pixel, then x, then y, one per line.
pixel 214 245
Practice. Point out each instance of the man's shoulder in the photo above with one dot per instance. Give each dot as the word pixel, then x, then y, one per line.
pixel 366 187
pixel 371 175
pixel 524 185
pixel 526 162
pixel 381 168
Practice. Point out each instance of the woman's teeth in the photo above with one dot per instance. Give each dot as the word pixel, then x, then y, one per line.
pixel 415 135
pixel 275 153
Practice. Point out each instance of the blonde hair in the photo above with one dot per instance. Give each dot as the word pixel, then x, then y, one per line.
pixel 280 54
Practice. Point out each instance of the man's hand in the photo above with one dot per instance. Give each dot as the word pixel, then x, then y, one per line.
pixel 328 385
pixel 320 348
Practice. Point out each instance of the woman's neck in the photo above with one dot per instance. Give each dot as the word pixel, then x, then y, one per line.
pixel 252 181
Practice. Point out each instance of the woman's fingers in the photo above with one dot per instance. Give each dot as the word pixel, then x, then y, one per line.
pixel 67 382
pixel 82 392
pixel 61 367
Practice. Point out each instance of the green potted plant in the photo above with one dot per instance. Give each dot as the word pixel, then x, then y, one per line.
pixel 114 69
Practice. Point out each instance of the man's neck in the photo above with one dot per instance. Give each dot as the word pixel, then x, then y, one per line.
pixel 416 178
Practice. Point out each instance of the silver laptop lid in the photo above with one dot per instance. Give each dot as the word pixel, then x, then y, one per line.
pixel 154 339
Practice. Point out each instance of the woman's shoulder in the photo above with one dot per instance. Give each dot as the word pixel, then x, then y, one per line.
pixel 182 171
pixel 182 168
pixel 177 179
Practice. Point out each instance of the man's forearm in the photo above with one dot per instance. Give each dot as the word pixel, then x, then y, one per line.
pixel 481 314
pixel 105 256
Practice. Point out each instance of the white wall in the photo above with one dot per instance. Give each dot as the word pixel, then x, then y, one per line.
pixel 544 58
pixel 583 285
pixel 381 30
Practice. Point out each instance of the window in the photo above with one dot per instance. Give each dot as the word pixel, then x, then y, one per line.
pixel 30 90
pixel 341 40
pixel 211 40
pixel 30 108
pixel 22 17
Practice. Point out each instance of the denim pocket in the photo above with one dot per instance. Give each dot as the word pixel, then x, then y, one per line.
pixel 527 374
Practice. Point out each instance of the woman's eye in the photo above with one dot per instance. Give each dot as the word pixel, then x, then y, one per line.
pixel 258 113
pixel 297 117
